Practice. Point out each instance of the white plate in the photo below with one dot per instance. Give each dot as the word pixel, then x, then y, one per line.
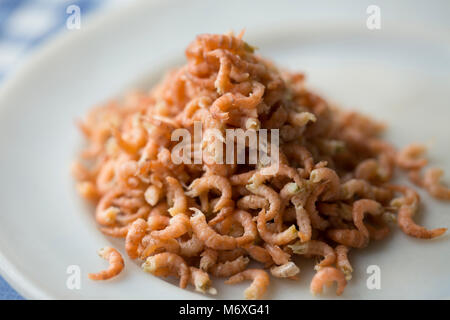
pixel 399 73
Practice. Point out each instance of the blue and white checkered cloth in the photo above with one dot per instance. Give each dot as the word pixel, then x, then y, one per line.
pixel 25 24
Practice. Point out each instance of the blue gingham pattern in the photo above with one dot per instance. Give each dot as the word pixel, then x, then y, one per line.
pixel 24 24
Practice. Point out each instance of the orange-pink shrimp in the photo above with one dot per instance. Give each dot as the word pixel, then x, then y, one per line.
pixel 191 247
pixel 360 208
pixel 266 173
pixel 409 204
pixel 204 184
pixel 178 225
pixel 287 270
pixel 166 263
pixel 151 246
pixel 134 237
pixel 260 282
pixel 157 222
pixel 105 213
pixel 153 194
pixel 259 254
pixel 208 259
pixel 281 238
pixel 207 234
pixel 326 276
pixel 116 264
pixel 229 268
pixel 432 183
pixel 408 158
pixel 272 197
pixel 342 261
pixel 348 237
pixel 252 201
pixel 179 198
pixel 316 248
pixel 201 281
pixel 278 255
pixel 245 219
pixel 332 180
pixel 302 217
pixel 116 232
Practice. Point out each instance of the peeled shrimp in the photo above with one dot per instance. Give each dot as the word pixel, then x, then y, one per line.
pixel 348 237
pixel 286 270
pixel 360 208
pixel 326 276
pixel 207 234
pixel 278 255
pixel 432 184
pixel 151 246
pixel 203 185
pixel 409 157
pixel 157 222
pixel 179 198
pixel 178 225
pixel 116 264
pixel 302 217
pixel 191 247
pixel 342 261
pixel 316 248
pixel 332 180
pixel 281 238
pixel 409 204
pixel 272 197
pixel 259 285
pixel 229 268
pixel 163 264
pixel 208 259
pixel 201 281
pixel 134 237
pixel 259 254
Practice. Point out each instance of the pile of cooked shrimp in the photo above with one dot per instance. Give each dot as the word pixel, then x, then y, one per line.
pixel 331 193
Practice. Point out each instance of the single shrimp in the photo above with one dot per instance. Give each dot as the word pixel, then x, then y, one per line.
pixel 116 232
pixel 302 217
pixel 408 158
pixel 105 213
pixel 151 246
pixel 191 247
pixel 332 180
pixel 252 201
pixel 157 222
pixel 259 285
pixel 179 198
pixel 326 276
pixel 342 261
pixel 281 238
pixel 348 237
pixel 272 197
pixel 276 170
pixel 153 194
pixel 229 268
pixel 201 281
pixel 208 259
pixel 409 205
pixel 178 225
pixel 316 248
pixel 259 254
pixel 245 219
pixel 204 184
pixel 433 185
pixel 287 270
pixel 278 255
pixel 360 208
pixel 116 264
pixel 163 264
pixel 134 237
pixel 207 234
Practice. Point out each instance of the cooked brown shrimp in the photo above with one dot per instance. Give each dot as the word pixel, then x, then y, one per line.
pixel 116 264
pixel 278 255
pixel 281 238
pixel 342 261
pixel 409 204
pixel 433 185
pixel 252 201
pixel 272 197
pixel 302 217
pixel 153 194
pixel 326 276
pixel 157 222
pixel 259 254
pixel 201 281
pixel 365 190
pixel 163 264
pixel 348 237
pixel 316 248
pixel 332 180
pixel 287 270
pixel 229 268
pixel 360 208
pixel 179 198
pixel 277 170
pixel 245 219
pixel 178 225
pixel 207 234
pixel 134 237
pixel 105 213
pixel 408 158
pixel 116 232
pixel 259 285
pixel 208 259
pixel 203 185
pixel 191 247
pixel 151 246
